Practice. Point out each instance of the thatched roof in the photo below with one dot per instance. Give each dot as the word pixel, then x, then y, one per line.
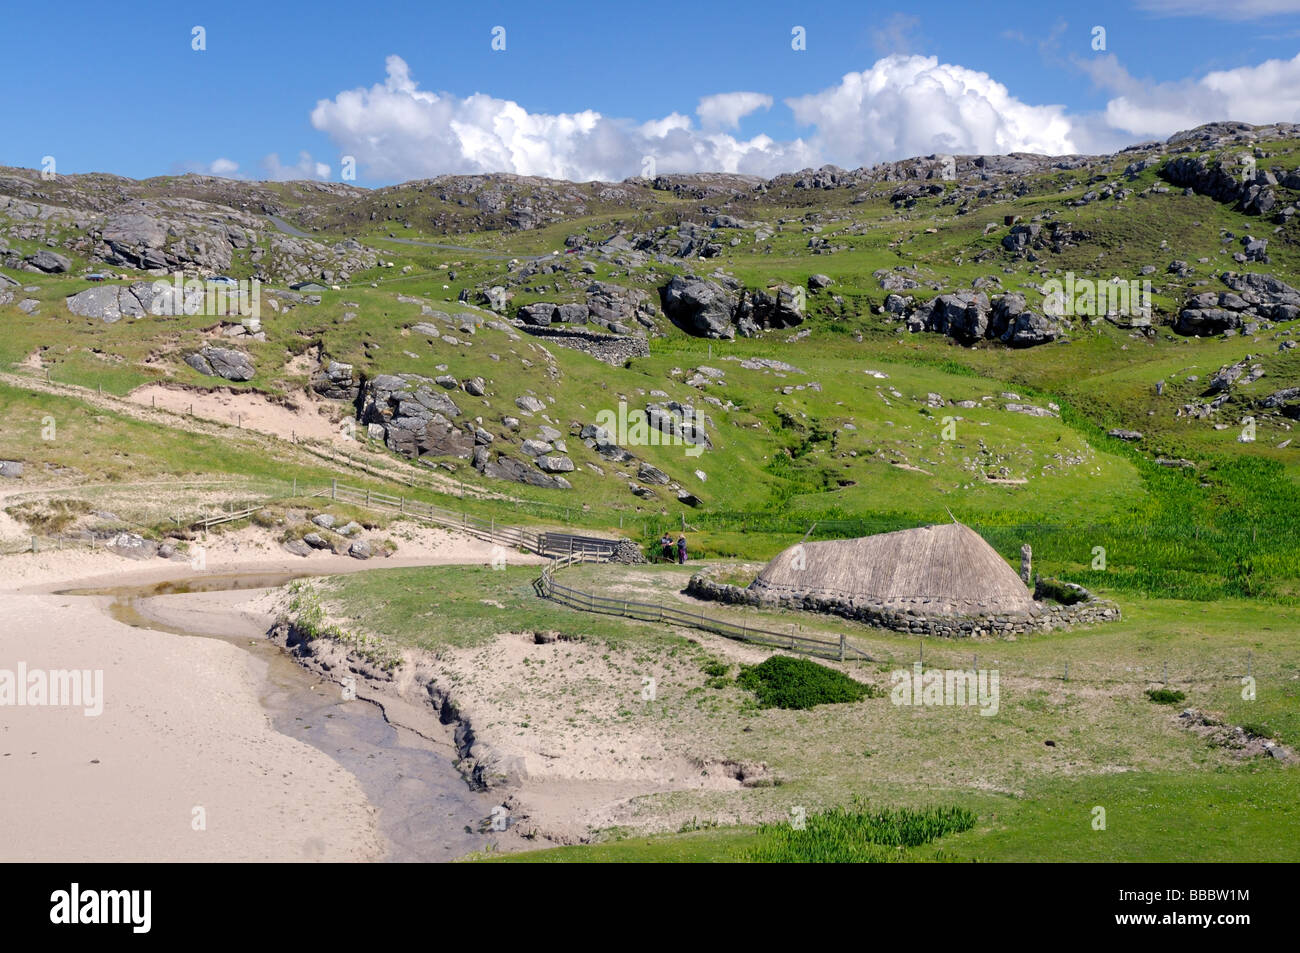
pixel 944 569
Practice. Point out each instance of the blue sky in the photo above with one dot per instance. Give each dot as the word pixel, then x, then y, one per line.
pixel 120 89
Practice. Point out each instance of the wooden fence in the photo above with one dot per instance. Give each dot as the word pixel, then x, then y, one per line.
pixel 231 517
pixel 503 534
pixel 548 588
pixel 567 549
pixel 45 544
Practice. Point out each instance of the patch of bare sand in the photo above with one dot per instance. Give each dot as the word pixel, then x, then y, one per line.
pixel 574 732
pixel 305 416
pixel 181 736
pixel 247 550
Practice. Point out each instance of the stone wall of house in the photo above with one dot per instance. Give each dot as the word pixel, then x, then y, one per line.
pixel 920 618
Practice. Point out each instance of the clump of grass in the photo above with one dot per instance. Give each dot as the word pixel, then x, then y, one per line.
pixel 266 519
pixel 307 615
pixel 1057 591
pixel 1165 696
pixel 785 682
pixel 856 835
pixel 714 668
pixel 49 516
pixel 718 672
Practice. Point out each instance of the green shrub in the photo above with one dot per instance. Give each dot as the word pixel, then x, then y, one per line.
pixel 714 668
pixel 785 682
pixel 1165 696
pixel 855 836
pixel 1056 591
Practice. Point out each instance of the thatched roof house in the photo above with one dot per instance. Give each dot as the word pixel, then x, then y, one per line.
pixel 942 570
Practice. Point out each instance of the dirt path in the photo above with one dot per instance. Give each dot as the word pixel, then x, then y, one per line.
pixel 166 405
pixel 314 419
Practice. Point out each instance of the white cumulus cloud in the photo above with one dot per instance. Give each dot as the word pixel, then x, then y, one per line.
pixel 903 105
pixel 1220 10
pixel 915 105
pixel 398 131
pixel 725 110
pixel 1264 93
pixel 305 168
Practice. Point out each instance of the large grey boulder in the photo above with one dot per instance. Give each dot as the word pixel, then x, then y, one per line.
pixel 529 404
pixel 48 262
pixel 335 381
pixel 1030 329
pixel 132 546
pixel 649 473
pixel 1201 322
pixel 432 436
pixel 555 463
pixel 764 310
pixel 963 316
pixel 1021 238
pixel 111 303
pixel 221 362
pixel 13 469
pixel 108 303
pixel 699 307
pixel 572 313
pixel 540 314
pixel 132 231
pixel 506 468
pixel 1252 298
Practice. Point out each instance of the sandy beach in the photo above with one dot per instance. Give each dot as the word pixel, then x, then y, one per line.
pixel 182 743
pixel 183 763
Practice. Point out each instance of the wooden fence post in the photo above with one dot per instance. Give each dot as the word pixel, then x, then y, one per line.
pixel 841 646
pixel 334 489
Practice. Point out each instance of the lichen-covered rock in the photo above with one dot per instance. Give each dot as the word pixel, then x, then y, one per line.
pixel 222 362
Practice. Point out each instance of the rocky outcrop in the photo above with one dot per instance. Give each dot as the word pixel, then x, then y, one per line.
pixel 699 307
pixel 417 417
pixel 1236 181
pixel 503 467
pixel 221 362
pixel 970 316
pixel 707 309
pixel 48 262
pixel 111 303
pixel 335 381
pixel 1252 299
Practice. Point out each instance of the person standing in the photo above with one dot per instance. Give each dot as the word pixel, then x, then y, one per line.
pixel 666 547
pixel 681 550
